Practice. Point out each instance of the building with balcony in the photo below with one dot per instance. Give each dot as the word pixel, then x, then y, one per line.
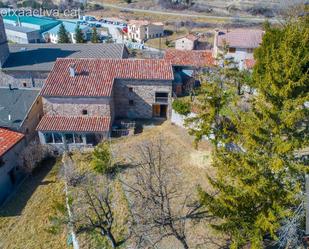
pixel 83 97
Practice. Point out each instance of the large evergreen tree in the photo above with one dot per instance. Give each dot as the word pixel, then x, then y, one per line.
pixel 94 36
pixel 259 183
pixel 63 36
pixel 79 36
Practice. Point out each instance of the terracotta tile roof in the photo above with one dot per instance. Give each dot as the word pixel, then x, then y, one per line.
pixel 95 77
pixel 249 63
pixel 240 38
pixel 8 139
pixel 74 123
pixel 195 58
pixel 190 37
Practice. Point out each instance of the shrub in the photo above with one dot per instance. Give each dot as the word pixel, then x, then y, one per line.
pixel 182 107
pixel 102 158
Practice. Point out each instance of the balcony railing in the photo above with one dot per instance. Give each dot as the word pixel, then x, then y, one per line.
pixel 162 100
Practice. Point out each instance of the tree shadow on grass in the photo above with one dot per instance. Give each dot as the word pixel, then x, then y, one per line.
pixel 19 198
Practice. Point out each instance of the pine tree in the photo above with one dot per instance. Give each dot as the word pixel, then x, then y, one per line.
pixel 79 36
pixel 94 36
pixel 63 36
pixel 260 183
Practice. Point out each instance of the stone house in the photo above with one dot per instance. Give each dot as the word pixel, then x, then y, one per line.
pixel 141 31
pixel 188 42
pixel 21 110
pixel 240 43
pixel 11 143
pixel 83 97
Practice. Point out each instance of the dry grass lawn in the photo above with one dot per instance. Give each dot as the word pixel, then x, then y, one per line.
pixel 24 219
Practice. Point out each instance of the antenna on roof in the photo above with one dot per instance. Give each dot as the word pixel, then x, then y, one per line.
pixel 72 70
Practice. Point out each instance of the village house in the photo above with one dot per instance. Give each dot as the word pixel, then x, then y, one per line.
pixel 186 63
pixel 188 42
pixel 21 110
pixel 240 44
pixel 11 144
pixel 53 37
pixel 83 97
pixel 141 31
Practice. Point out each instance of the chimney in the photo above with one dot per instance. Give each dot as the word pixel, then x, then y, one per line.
pixel 72 70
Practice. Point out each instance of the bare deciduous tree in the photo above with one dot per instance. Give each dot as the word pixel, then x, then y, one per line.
pixel 160 208
pixel 99 212
pixel 32 155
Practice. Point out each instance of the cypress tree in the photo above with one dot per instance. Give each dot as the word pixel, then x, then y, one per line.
pixel 63 36
pixel 94 36
pixel 261 182
pixel 79 37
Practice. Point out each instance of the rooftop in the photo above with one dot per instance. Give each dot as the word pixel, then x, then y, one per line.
pixel 190 37
pixel 8 139
pixel 69 26
pixel 19 28
pixel 74 123
pixel 14 106
pixel 95 77
pixel 195 58
pixel 41 57
pixel 40 21
pixel 240 38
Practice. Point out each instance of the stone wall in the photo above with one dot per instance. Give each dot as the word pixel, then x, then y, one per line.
pixel 75 106
pixel 32 120
pixel 23 79
pixel 142 95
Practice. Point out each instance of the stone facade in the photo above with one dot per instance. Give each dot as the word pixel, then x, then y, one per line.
pixel 75 106
pixel 143 95
pixel 32 120
pixel 22 79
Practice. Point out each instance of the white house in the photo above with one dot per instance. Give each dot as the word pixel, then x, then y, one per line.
pixel 141 31
pixel 240 43
pixel 188 42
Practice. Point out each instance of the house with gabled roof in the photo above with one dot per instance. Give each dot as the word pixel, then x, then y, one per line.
pixel 188 42
pixel 83 97
pixel 240 43
pixel 11 143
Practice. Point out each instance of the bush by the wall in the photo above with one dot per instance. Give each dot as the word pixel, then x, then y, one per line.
pixel 181 106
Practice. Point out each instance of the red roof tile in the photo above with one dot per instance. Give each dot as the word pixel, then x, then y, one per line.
pixel 8 139
pixel 241 38
pixel 195 58
pixel 95 77
pixel 249 63
pixel 74 123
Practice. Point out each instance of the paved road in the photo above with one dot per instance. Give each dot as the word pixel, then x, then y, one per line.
pixel 225 18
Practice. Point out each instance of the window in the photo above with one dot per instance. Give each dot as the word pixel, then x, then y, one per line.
pixel 78 138
pixel 48 138
pixel 84 112
pixel 57 138
pixel 232 50
pixel 131 102
pixel 90 138
pixel 130 89
pixel 69 138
